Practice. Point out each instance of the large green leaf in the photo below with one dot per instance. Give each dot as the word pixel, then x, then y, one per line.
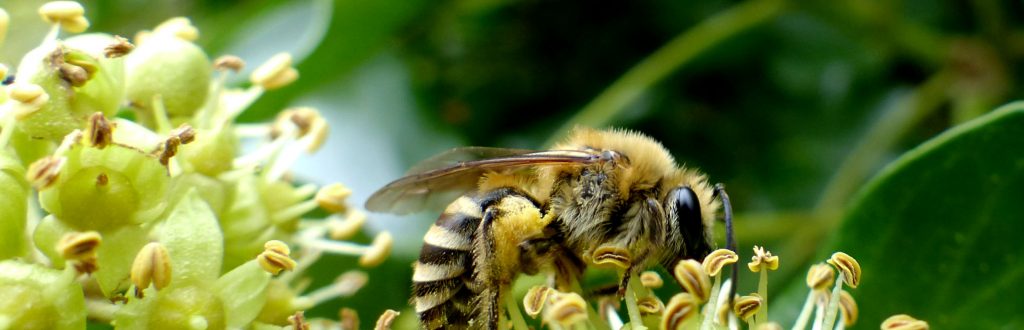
pixel 938 232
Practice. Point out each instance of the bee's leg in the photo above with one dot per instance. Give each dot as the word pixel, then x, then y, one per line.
pixel 606 290
pixel 487 275
pixel 624 283
pixel 506 212
pixel 534 253
pixel 548 250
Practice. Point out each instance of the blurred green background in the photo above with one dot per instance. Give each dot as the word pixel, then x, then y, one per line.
pixel 793 105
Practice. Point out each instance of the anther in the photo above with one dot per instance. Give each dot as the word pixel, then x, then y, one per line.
pixel 120 47
pixel 298 321
pixel 229 62
pixel 385 320
pixel 180 27
pixel 152 265
pixel 535 300
pixel 275 73
pixel 903 322
pixel 345 229
pixel 274 258
pixel 332 197
pixel 651 280
pixel 73 74
pixel 348 319
pixel 100 131
pixel 182 135
pixel 79 246
pixel 691 276
pixel 650 305
pixel 747 306
pixel 567 310
pixel 612 255
pixel 30 97
pixel 378 250
pixel 681 308
pixel 848 307
pixel 43 173
pixel 848 266
pixel 69 14
pixel 718 259
pixel 820 277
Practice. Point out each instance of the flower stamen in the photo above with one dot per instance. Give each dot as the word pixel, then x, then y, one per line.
pixel 275 257
pixel 152 265
pixel 385 320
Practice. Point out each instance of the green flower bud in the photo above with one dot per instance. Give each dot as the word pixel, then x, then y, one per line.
pixel 136 136
pixel 244 292
pixel 214 192
pixel 78 81
pixel 36 297
pixel 176 307
pixel 254 216
pixel 54 118
pixel 105 90
pixel 13 194
pixel 30 149
pixel 211 153
pixel 280 304
pixel 116 256
pixel 193 240
pixel 48 233
pixel 176 70
pixel 102 189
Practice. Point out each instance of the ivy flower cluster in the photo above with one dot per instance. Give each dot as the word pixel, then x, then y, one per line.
pixel 705 302
pixel 127 200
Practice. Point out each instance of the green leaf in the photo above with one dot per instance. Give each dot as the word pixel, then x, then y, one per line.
pixel 244 292
pixel 937 232
pixel 357 30
pixel 36 297
pixel 193 240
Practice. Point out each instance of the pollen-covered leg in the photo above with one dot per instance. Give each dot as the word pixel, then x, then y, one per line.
pixel 509 219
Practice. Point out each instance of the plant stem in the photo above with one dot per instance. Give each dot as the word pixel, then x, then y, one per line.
pixel 7 122
pixel 635 320
pixel 833 304
pixel 518 322
pixel 712 309
pixel 161 121
pixel 100 310
pixel 677 52
pixel 762 290
pixel 805 312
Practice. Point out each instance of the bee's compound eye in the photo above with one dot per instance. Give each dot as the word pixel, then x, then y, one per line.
pixel 687 205
pixel 683 206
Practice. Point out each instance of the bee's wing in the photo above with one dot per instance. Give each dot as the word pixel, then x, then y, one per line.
pixel 443 177
pixel 455 156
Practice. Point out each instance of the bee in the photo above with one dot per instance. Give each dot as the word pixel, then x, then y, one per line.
pixel 601 197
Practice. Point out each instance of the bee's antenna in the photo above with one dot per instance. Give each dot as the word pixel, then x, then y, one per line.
pixel 730 239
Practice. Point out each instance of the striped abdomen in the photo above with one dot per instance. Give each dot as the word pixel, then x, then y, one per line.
pixel 440 280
